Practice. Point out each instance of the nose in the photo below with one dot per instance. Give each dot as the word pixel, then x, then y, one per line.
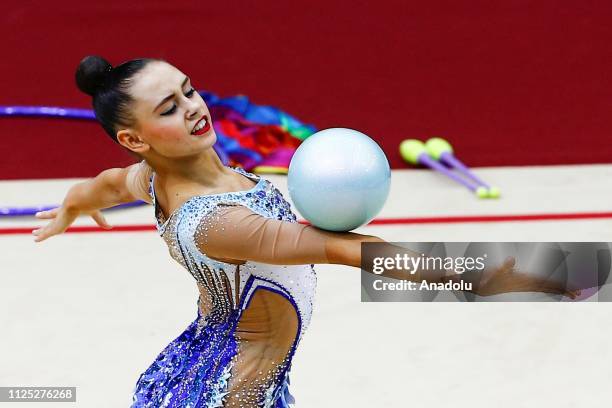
pixel 193 109
pixel 192 113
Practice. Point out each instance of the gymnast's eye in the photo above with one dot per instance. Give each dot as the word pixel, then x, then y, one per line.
pixel 169 111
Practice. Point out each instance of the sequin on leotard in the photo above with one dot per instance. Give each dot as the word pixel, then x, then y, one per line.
pixel 251 315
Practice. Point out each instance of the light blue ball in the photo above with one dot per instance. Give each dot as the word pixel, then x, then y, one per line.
pixel 339 179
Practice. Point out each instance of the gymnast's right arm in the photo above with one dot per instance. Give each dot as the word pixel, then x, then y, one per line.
pixel 109 188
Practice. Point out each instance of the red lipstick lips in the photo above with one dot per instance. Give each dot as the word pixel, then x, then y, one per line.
pixel 204 129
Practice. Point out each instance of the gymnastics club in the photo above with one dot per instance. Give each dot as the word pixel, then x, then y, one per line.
pixel 414 152
pixel 441 150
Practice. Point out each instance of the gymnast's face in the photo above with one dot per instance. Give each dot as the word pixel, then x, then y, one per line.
pixel 167 109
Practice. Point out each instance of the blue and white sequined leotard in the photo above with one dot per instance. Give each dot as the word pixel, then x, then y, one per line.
pixel 254 267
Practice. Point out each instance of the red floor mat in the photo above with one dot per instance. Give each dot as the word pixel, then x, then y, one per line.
pixel 508 82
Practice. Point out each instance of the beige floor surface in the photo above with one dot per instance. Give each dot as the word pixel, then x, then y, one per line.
pixel 93 310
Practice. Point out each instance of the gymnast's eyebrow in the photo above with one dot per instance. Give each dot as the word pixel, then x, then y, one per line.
pixel 167 98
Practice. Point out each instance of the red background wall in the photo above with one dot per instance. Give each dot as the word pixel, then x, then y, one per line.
pixel 507 82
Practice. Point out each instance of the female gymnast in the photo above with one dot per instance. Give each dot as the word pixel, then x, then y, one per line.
pixel 232 230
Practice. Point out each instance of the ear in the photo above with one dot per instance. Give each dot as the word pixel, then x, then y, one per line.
pixel 131 140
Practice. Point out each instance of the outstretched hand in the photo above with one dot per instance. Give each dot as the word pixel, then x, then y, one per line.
pixel 506 279
pixel 61 218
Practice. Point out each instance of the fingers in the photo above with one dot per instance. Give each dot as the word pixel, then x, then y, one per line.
pixel 61 221
pixel 45 232
pixel 510 262
pixel 100 220
pixel 572 294
pixel 507 267
pixel 561 290
pixel 48 214
pixel 38 236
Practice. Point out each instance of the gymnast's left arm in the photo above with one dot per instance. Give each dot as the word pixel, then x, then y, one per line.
pixel 234 232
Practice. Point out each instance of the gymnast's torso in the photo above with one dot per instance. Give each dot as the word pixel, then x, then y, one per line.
pixel 251 315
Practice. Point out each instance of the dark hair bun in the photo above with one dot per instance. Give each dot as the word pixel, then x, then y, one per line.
pixel 91 74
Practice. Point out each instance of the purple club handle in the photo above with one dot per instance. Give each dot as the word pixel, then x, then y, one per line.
pixel 452 161
pixel 429 162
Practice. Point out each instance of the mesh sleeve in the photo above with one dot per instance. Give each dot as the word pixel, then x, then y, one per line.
pixel 137 181
pixel 236 232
